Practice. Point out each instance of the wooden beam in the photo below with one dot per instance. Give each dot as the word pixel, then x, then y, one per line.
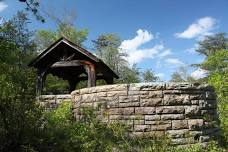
pixel 67 64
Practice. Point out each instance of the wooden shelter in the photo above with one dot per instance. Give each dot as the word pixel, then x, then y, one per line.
pixel 69 61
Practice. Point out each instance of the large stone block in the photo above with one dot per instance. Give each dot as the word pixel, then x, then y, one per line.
pixel 117 93
pixel 150 102
pixel 208 104
pixel 144 110
pixel 177 133
pixel 129 99
pixel 172 116
pixel 195 124
pixel 174 99
pixel 192 110
pixel 88 97
pixel 161 125
pixel 170 109
pixel 146 86
pixel 120 111
pixel 129 104
pixel 152 117
pixel 141 128
pixel 179 124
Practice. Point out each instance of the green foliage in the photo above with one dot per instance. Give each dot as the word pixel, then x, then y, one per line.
pixel 44 38
pixel 107 48
pixel 215 49
pixel 181 75
pixel 212 44
pixel 55 85
pixel 218 77
pixel 149 76
pixel 19 113
pixel 32 6
pixel 89 134
pixel 129 75
pixel 217 63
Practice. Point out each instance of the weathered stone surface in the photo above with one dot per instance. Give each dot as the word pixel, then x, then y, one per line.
pixel 150 102
pixel 182 141
pixel 141 128
pixel 152 117
pixel 139 122
pixel 128 99
pixel 88 97
pixel 208 104
pixel 116 117
pixel 192 110
pixel 144 110
pixel 194 102
pixel 179 124
pixel 129 104
pixel 195 124
pixel 101 94
pixel 177 133
pixel 172 116
pixel 117 93
pixel 155 94
pixel 146 86
pixel 178 86
pixel 132 93
pixel 174 99
pixel 161 125
pixel 170 109
pixel 179 110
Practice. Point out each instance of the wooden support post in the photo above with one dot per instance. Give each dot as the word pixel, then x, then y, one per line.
pixel 41 76
pixel 39 83
pixel 91 75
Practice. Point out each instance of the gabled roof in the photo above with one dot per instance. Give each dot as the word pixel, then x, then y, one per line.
pixel 76 48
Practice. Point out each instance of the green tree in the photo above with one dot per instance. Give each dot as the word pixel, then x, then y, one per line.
pixel 218 77
pixel 33 6
pixel 45 38
pixel 212 44
pixel 149 76
pixel 129 75
pixel 214 48
pixel 107 48
pixel 20 115
pixel 15 33
pixel 182 75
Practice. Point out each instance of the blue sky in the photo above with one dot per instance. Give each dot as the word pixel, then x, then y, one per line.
pixel 157 34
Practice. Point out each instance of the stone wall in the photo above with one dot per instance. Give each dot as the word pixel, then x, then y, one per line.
pixel 50 102
pixel 184 112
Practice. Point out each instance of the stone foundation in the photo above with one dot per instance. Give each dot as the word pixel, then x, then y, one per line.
pixel 50 102
pixel 184 112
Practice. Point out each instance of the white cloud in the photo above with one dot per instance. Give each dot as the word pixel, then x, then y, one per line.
pixel 193 49
pixel 3 6
pixel 141 38
pixel 199 73
pixel 135 53
pixel 199 28
pixel 165 53
pixel 174 61
pixel 138 55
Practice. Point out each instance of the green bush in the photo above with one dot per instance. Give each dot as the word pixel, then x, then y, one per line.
pixel 90 135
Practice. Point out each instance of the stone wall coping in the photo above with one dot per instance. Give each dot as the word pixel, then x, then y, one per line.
pixel 146 86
